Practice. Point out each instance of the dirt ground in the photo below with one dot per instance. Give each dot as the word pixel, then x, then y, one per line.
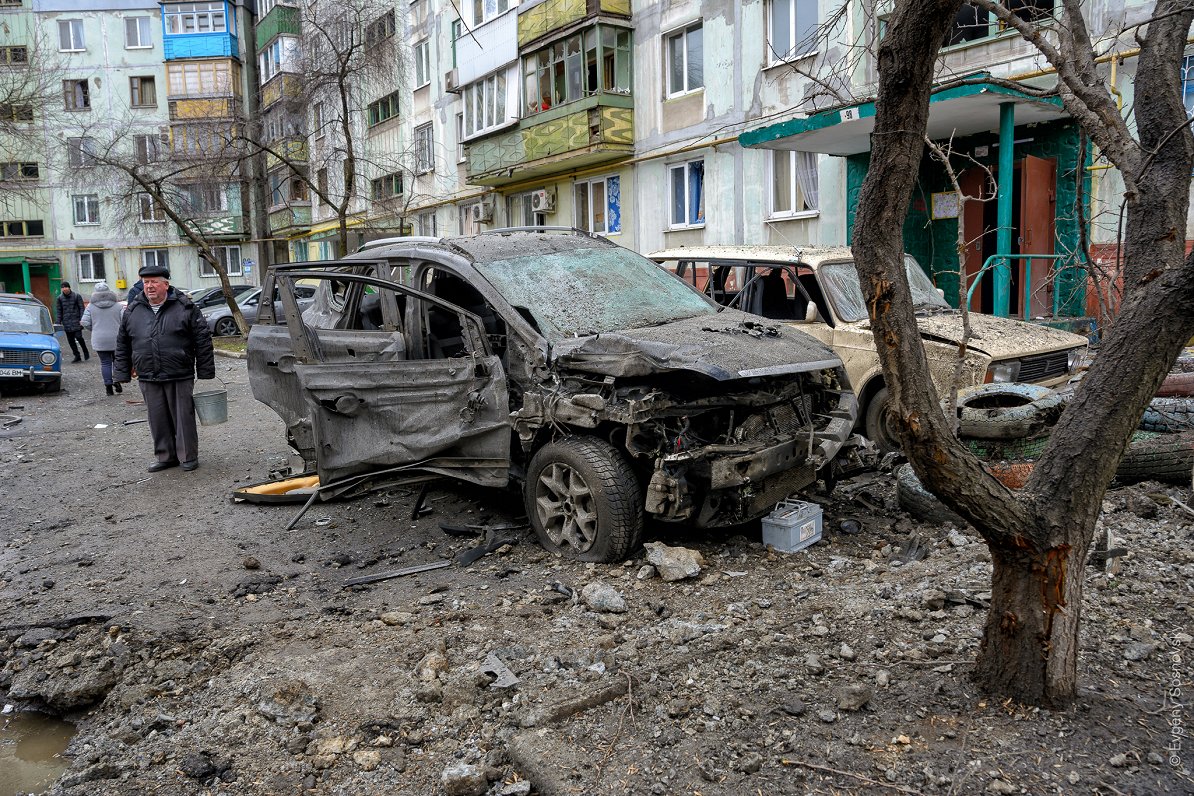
pixel 203 649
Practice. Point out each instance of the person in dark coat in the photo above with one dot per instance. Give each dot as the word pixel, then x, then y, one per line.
pixel 70 315
pixel 165 338
pixel 134 291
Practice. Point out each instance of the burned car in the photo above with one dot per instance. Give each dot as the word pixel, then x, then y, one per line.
pixel 607 389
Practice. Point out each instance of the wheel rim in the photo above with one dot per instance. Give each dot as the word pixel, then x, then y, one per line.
pixel 225 327
pixel 566 507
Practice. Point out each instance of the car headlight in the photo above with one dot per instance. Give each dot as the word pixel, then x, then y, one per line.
pixel 48 357
pixel 1005 371
pixel 1075 358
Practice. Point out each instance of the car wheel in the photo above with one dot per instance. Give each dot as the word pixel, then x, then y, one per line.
pixel 878 423
pixel 583 500
pixel 226 327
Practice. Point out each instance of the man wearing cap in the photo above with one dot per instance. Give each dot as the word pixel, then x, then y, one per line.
pixel 70 315
pixel 165 338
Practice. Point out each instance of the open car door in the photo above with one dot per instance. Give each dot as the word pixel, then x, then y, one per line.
pixel 372 407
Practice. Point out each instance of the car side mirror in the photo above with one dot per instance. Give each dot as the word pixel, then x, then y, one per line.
pixel 810 313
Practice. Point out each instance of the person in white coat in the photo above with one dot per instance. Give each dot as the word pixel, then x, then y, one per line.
pixel 102 317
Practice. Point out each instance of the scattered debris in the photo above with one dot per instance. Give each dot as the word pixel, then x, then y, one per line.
pixel 674 563
pixel 504 678
pixel 398 573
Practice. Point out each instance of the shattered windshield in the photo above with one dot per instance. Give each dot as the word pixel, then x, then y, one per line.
pixel 587 291
pixel 840 281
pixel 31 318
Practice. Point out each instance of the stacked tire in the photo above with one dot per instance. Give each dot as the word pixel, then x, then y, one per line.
pixel 1163 449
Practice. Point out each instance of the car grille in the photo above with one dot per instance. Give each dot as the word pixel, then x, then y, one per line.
pixel 1044 366
pixel 19 356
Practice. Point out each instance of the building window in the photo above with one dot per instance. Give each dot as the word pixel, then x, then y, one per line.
pixel 321 182
pixel 279 56
pixel 1188 83
pixel 422 64
pixel 685 61
pixel 460 154
pixel 520 213
pixel 791 29
pixel 485 10
pixel 380 29
pixel 418 12
pixel 70 35
pixel 424 148
pixel 14 56
pixel 143 92
pixel 148 148
pixel 137 32
pixel 91 266
pixel 386 187
pixel 77 95
pixel 597 205
pixel 426 224
pixel 19 171
pixel 81 152
pixel 383 109
pixel 22 229
pixel 86 209
pixel 186 18
pixel 151 211
pixel 568 70
pixel 227 256
pixel 155 257
pixel 484 104
pixel 794 187
pixel 687 191
pixel 207 199
pixel 971 24
pixel 317 119
pixel 19 112
pixel 196 78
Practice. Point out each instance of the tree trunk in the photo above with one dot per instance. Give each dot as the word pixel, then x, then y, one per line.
pixel 1030 643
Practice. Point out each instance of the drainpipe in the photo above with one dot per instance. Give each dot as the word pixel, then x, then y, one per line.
pixel 1003 242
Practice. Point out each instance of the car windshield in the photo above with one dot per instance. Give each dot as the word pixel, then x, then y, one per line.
pixel 840 282
pixel 588 291
pixel 32 318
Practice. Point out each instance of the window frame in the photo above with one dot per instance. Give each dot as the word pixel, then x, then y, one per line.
pixel 795 36
pixel 137 85
pixel 80 152
pixel 9 52
pixel 381 29
pixel 72 26
pixel 91 257
pixel 387 187
pixel 701 220
pixel 491 100
pixel 794 190
pixel 20 171
pixel 374 110
pixel 174 20
pixel 424 136
pixel 89 204
pixel 156 256
pixel 147 29
pixel 421 222
pixel 422 58
pixel 76 95
pixel 587 186
pixel 683 32
pixel 149 210
pixel 222 253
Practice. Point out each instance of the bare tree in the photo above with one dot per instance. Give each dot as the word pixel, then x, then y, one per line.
pixel 1040 536
pixel 30 91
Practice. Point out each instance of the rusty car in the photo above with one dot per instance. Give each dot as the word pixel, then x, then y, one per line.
pixel 817 290
pixel 555 361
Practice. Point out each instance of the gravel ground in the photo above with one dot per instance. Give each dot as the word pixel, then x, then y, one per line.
pixel 203 649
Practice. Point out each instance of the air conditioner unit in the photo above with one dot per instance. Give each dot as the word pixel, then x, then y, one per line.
pixel 482 212
pixel 452 81
pixel 543 201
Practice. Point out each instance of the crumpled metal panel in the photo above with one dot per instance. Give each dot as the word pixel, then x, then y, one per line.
pixel 728 345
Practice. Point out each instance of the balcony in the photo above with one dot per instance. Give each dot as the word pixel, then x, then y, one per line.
pixel 591 131
pixel 279 20
pixel 200 45
pixel 538 20
pixel 282 86
pixel 290 219
pixel 228 226
pixel 199 32
pixel 294 150
pixel 184 110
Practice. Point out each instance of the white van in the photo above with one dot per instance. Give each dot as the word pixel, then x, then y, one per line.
pixel 817 290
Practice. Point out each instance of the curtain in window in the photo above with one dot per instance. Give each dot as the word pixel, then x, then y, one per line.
pixel 806 178
pixel 696 192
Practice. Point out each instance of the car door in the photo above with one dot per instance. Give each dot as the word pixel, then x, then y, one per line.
pixel 372 407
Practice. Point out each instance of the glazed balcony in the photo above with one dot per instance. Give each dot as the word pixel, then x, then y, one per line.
pixel 293 150
pixel 278 21
pixel 290 219
pixel 539 20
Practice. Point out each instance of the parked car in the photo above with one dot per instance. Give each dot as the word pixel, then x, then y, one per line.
pixel 555 361
pixel 817 290
pixel 29 351
pixel 205 297
pixel 219 316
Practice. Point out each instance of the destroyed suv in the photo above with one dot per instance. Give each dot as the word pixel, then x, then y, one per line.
pixel 817 291
pixel 556 361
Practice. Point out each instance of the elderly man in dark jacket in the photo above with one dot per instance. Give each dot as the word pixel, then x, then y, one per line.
pixel 70 315
pixel 166 339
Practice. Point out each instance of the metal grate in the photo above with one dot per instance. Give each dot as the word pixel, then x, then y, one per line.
pixel 1044 366
pixel 19 356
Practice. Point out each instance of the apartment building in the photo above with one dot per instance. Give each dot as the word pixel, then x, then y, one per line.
pixel 128 84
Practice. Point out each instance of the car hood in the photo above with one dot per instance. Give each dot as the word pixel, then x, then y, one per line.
pixel 999 338
pixel 725 346
pixel 28 340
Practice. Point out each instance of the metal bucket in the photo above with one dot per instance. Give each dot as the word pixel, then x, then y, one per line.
pixel 211 406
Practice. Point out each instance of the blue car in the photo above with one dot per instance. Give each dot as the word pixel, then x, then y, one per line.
pixel 29 352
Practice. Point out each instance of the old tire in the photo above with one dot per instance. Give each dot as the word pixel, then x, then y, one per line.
pixel 583 500
pixel 1012 450
pixel 1160 457
pixel 226 327
pixel 1003 411
pixel 1169 415
pixel 877 426
pixel 920 503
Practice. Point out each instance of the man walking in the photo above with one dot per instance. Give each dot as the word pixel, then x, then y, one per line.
pixel 70 315
pixel 166 339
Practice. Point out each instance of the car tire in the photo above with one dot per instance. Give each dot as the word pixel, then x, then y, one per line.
pixel 1159 457
pixel 1003 411
pixel 584 500
pixel 53 386
pixel 226 327
pixel 920 502
pixel 1169 415
pixel 877 424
